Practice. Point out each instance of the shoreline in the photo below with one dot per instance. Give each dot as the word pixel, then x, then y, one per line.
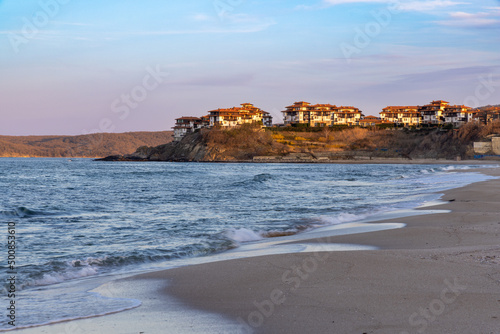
pixel 396 289
pixel 375 161
pixel 370 291
pixel 234 292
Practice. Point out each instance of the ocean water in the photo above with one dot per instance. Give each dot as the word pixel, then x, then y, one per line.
pixel 79 222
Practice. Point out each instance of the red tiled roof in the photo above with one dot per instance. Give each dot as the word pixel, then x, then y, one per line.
pixel 299 104
pixel 400 107
pixel 188 118
pixel 324 105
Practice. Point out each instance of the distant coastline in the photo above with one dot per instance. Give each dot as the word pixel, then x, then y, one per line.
pixel 82 146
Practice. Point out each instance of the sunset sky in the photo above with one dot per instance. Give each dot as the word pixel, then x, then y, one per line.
pixel 80 66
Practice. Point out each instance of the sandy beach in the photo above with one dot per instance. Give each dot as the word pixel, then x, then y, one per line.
pixel 439 274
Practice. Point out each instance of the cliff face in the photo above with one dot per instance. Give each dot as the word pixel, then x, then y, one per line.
pixel 190 148
pixel 251 142
pixel 237 144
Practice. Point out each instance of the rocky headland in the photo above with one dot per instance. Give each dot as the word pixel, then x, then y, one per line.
pixel 251 143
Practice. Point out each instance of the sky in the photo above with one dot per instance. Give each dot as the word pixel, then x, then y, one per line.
pixel 70 67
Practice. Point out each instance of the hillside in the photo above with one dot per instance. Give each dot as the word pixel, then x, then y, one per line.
pixel 489 106
pixel 247 142
pixel 93 145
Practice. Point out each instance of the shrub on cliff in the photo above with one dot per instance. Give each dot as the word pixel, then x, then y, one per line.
pixel 241 143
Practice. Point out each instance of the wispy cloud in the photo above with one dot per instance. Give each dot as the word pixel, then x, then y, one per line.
pixel 395 60
pixel 411 5
pixel 238 25
pixel 305 7
pixel 487 19
pixel 200 17
pixel 234 24
pixel 448 75
pixel 243 18
pixel 75 24
pixel 242 79
pixel 428 5
pixel 224 30
pixel 341 2
pixel 50 36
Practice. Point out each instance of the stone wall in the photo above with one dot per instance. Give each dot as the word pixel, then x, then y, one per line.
pixel 482 147
pixel 495 145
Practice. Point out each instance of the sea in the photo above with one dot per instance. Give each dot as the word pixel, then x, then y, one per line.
pixel 80 223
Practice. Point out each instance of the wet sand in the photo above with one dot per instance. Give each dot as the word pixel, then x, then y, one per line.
pixel 439 274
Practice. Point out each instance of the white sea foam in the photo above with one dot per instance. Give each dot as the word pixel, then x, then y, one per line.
pixel 243 235
pixel 450 168
pixel 89 261
pixel 464 167
pixel 428 171
pixel 340 219
pixel 136 303
pixel 54 278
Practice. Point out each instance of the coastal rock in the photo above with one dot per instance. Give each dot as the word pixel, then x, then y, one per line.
pixel 191 148
pixel 115 158
pixel 251 143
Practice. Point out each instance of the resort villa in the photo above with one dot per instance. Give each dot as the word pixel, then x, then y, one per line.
pixel 401 115
pixel 320 115
pixel 305 113
pixel 489 114
pixel 433 113
pixel 436 113
pixel 346 116
pixel 230 117
pixel 458 115
pixel 247 113
pixel 185 125
pixel 368 121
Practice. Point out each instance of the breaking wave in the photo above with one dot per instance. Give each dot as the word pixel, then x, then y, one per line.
pixel 242 235
pixel 20 212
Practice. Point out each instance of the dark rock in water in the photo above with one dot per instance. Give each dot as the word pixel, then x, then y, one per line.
pixel 112 158
pixel 191 148
pixel 121 158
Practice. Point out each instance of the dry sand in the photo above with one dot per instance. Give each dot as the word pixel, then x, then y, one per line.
pixel 440 274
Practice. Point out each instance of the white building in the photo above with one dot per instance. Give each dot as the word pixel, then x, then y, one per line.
pixel 185 125
pixel 433 113
pixel 457 115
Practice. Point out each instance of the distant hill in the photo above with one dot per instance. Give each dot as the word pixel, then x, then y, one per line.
pixel 91 146
pixel 489 106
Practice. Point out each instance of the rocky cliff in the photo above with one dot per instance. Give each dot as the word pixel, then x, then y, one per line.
pixel 236 144
pixel 191 148
pixel 252 143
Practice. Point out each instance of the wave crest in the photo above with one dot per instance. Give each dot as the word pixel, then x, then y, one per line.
pixel 243 235
pixel 19 212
